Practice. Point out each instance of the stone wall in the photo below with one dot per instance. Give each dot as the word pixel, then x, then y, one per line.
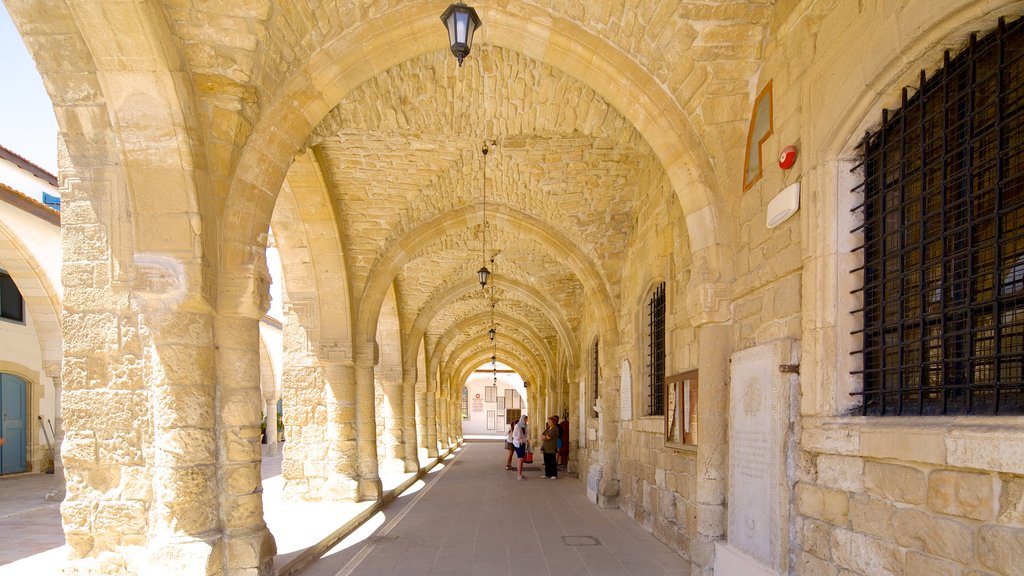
pixel 870 496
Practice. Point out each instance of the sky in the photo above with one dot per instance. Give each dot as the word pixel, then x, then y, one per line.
pixel 27 125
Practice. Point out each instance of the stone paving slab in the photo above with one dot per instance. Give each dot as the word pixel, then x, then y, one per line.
pixel 472 517
pixel 32 539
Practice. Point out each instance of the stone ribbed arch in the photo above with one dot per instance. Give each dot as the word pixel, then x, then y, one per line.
pixel 41 296
pixel 124 110
pixel 461 372
pixel 364 50
pixel 576 260
pixel 514 287
pixel 451 337
pixel 473 349
pixel 305 227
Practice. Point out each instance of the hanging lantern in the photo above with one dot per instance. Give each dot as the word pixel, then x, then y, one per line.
pixel 483 274
pixel 461 22
pixel 492 333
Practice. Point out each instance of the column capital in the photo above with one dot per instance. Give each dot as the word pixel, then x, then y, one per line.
pixel 366 354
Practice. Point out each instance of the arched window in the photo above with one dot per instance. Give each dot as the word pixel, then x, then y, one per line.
pixel 943 228
pixel 12 306
pixel 656 352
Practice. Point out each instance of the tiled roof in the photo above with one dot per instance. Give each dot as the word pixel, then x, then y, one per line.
pixel 25 164
pixel 30 205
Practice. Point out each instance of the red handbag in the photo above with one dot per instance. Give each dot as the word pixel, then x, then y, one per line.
pixel 529 457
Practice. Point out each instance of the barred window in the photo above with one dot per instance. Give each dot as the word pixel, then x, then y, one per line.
pixel 943 228
pixel 595 372
pixel 12 306
pixel 656 352
pixel 465 403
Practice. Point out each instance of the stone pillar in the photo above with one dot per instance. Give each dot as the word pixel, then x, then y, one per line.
pixel 270 409
pixel 409 429
pixel 250 548
pixel 608 430
pixel 365 356
pixel 342 434
pixel 389 423
pixel 431 417
pixel 58 492
pixel 422 433
pixel 304 387
pixel 709 310
pixel 185 481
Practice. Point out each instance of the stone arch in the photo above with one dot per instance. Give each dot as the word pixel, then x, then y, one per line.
pixel 472 363
pixel 514 349
pixel 126 116
pixel 305 226
pixel 517 288
pixel 347 60
pixel 581 264
pixel 885 79
pixel 452 334
pixel 41 296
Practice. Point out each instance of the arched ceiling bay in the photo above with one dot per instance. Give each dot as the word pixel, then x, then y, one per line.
pixel 404 149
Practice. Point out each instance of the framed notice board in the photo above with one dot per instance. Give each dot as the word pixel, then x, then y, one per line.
pixel 681 410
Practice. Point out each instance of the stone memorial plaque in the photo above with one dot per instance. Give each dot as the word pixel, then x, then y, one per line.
pixel 626 392
pixel 758 424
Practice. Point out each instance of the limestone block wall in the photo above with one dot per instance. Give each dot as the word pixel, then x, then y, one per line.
pixel 893 495
pixel 658 486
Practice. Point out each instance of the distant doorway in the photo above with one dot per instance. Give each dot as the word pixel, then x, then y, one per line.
pixel 12 424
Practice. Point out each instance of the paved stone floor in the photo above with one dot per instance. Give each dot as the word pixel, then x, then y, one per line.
pixel 473 518
pixel 468 516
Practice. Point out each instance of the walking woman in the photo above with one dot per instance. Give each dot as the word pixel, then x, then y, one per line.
pixel 549 446
pixel 521 440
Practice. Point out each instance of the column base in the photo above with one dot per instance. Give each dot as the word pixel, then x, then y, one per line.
pixel 370 489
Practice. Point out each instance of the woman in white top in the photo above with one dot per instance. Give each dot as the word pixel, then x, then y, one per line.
pixel 521 442
pixel 508 444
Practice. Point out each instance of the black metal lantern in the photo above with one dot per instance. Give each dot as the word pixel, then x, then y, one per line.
pixel 483 274
pixel 492 333
pixel 461 22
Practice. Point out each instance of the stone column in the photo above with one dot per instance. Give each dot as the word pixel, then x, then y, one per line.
pixel 608 431
pixel 431 417
pixel 185 480
pixel 270 409
pixel 250 547
pixel 365 356
pixel 390 410
pixel 709 312
pixel 422 434
pixel 410 448
pixel 304 391
pixel 58 492
pixel 342 434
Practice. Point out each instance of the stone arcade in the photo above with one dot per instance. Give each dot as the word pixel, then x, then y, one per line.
pixel 633 157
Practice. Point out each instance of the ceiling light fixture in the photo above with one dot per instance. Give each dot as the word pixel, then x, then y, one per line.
pixel 461 22
pixel 483 273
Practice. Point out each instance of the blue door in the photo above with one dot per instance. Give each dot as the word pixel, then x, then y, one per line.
pixel 12 424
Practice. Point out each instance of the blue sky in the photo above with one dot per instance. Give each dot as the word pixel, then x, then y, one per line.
pixel 27 124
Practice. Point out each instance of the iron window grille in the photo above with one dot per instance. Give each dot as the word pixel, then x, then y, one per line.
pixel 465 403
pixel 943 228
pixel 12 305
pixel 656 351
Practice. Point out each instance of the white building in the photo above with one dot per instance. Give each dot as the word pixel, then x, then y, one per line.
pixel 30 304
